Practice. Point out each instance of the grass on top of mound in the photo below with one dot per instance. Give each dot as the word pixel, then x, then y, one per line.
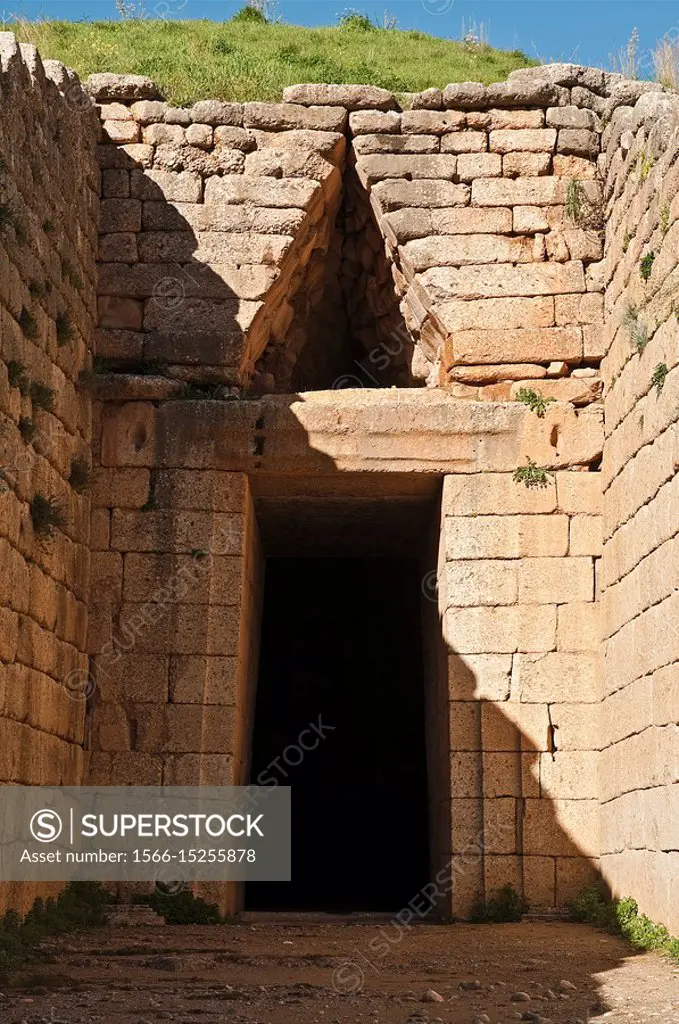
pixel 242 59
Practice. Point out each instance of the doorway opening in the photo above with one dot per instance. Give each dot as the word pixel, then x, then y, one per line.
pixel 340 718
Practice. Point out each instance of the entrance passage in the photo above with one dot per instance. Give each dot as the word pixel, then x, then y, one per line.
pixel 341 658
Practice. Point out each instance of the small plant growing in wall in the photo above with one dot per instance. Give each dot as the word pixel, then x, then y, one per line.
pixel 531 475
pixel 37 290
pixel 46 516
pixel 645 165
pixel 27 429
pixel 16 375
pixel 9 219
pixel 28 324
pixel 660 376
pixel 665 219
pixel 42 396
pixel 635 327
pixel 69 273
pixel 627 238
pixel 646 266
pixel 48 226
pixel 502 906
pixel 536 402
pixel 576 202
pixel 65 329
pixel 79 478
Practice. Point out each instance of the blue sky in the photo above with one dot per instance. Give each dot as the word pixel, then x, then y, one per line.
pixel 585 31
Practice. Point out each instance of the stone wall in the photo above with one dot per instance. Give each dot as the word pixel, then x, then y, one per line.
pixel 218 236
pixel 456 250
pixel 337 240
pixel 49 194
pixel 522 631
pixel 639 779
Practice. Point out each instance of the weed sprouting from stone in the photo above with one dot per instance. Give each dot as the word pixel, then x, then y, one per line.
pixel 532 475
pixel 635 327
pixel 646 266
pixel 79 477
pixel 660 376
pixel 37 289
pixel 502 906
pixel 28 324
pixel 645 165
pixel 665 219
pixel 16 375
pixel 47 516
pixel 576 202
pixel 69 273
pixel 27 429
pixel 536 402
pixel 42 395
pixel 65 329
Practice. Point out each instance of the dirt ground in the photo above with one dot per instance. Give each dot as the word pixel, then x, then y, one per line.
pixel 307 973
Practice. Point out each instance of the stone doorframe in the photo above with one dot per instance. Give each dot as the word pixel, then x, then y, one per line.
pixel 179 563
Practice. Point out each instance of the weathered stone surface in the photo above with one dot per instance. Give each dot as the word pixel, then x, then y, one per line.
pixel 369 144
pixel 426 193
pixel 524 93
pixel 148 111
pixel 464 142
pixel 578 142
pixel 482 282
pixel 263 192
pixel 434 122
pixel 351 97
pixel 428 99
pixel 450 251
pixel 376 168
pixel 106 86
pixel 281 116
pixel 527 140
pixel 215 112
pixel 465 96
pixel 372 122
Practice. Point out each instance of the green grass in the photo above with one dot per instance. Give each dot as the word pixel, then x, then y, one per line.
pixel 245 60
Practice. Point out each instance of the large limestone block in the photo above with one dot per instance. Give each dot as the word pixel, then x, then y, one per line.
pixel 351 97
pixel 449 250
pixel 283 116
pixel 561 828
pixel 481 582
pixel 547 580
pixel 392 195
pixel 494 494
pixel 504 536
pixel 371 169
pixel 106 86
pixel 436 122
pixel 558 677
pixel 540 191
pixel 500 630
pixel 492 345
pixel 264 192
pixel 487 282
pixel 526 140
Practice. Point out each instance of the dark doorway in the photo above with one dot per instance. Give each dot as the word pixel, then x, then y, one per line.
pixel 341 642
